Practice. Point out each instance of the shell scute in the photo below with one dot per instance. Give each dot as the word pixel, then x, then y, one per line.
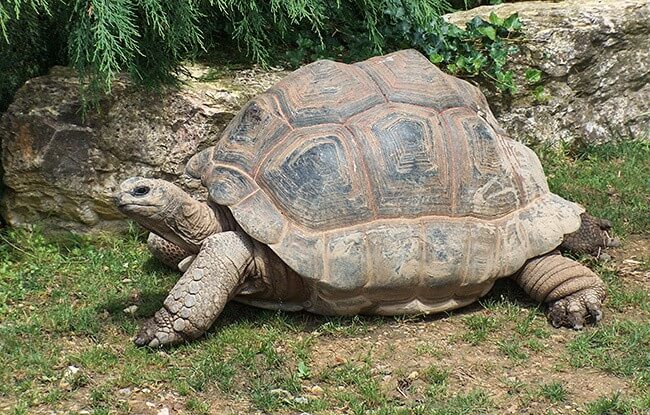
pixel 251 134
pixel 408 77
pixel 405 152
pixel 315 179
pixel 325 92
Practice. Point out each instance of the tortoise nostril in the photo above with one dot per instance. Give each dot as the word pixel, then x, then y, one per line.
pixel 140 191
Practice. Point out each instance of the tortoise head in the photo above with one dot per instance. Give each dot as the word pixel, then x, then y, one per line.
pixel 165 209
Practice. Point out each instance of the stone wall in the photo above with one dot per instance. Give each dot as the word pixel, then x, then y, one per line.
pixel 60 170
pixel 595 61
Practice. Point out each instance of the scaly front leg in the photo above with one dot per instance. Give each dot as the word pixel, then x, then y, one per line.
pixel 201 293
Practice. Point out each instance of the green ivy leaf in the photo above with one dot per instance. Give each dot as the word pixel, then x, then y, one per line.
pixel 488 31
pixel 540 95
pixel 475 23
pixel 512 22
pixel 496 20
pixel 533 75
pixel 436 58
pixel 505 81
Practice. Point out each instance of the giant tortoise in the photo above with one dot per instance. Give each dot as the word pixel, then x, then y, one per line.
pixel 383 187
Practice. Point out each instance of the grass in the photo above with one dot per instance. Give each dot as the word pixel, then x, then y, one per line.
pixel 612 180
pixel 553 391
pixel 62 303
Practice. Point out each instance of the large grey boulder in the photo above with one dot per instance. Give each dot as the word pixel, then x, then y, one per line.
pixel 60 170
pixel 595 61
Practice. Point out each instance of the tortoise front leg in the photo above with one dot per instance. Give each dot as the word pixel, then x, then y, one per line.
pixel 199 296
pixel 574 292
pixel 167 252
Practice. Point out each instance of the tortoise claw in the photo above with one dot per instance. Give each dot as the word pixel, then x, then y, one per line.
pixel 576 310
pixel 158 331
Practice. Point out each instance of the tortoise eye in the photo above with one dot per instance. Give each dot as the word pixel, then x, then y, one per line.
pixel 140 191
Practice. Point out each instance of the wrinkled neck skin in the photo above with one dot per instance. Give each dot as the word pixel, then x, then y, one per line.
pixel 187 222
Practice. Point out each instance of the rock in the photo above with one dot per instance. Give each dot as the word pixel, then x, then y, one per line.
pixel 301 400
pixel 131 309
pixel 413 375
pixel 60 170
pixel 70 376
pixel 595 63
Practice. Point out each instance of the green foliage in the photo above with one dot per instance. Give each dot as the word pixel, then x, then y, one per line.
pixel 481 49
pixel 148 39
pixel 33 48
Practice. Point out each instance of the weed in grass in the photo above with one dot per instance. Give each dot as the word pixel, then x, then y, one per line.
pixel 620 348
pixel 512 348
pixel 302 370
pixel 197 406
pixel 478 327
pixel 553 391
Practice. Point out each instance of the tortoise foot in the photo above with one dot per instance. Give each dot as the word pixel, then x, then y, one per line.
pixel 576 310
pixel 158 331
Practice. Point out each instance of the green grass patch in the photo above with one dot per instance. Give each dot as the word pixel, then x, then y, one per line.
pixel 553 391
pixel 478 327
pixel 618 404
pixel 620 347
pixel 611 180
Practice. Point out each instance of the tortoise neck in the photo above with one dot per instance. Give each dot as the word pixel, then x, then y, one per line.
pixel 188 222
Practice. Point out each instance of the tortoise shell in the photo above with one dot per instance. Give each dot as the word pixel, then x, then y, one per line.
pixel 385 174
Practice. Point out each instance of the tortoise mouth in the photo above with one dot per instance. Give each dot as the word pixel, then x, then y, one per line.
pixel 139 208
pixel 127 203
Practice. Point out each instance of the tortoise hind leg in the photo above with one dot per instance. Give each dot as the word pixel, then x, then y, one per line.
pixel 592 236
pixel 574 292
